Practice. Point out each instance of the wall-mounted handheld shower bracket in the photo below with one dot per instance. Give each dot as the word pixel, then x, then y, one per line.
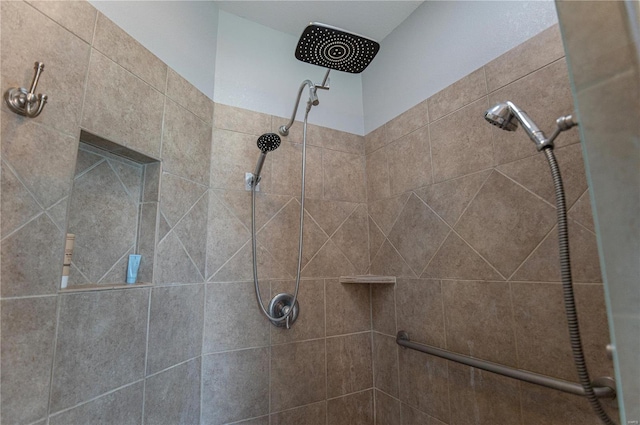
pixel 249 178
pixel 24 102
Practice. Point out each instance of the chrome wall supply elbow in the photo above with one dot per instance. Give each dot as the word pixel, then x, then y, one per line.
pixel 24 102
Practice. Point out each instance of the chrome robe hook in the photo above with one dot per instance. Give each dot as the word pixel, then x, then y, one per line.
pixel 24 102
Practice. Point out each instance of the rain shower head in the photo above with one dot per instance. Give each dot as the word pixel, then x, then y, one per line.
pixel 334 48
pixel 268 142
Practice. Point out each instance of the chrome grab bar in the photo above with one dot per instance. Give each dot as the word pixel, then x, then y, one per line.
pixel 604 387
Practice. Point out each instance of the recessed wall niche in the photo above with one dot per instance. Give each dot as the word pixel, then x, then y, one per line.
pixel 112 213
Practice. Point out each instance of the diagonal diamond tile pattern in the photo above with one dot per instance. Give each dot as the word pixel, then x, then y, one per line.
pixel 504 223
pixel 385 211
pixel 533 173
pixel 177 196
pixel 450 198
pixel 417 234
pixel 22 207
pixel 280 237
pixel 456 260
pixel 353 240
pixel 543 264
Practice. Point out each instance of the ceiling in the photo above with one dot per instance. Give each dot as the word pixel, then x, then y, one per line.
pixel 373 19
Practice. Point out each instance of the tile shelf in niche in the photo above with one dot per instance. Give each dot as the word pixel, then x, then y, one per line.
pixel 368 278
pixel 104 287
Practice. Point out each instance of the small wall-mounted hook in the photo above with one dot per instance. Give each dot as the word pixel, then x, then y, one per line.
pixel 24 102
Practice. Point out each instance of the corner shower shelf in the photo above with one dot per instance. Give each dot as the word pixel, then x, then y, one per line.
pixel 368 278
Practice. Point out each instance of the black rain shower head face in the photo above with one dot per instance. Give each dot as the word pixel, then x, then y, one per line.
pixel 268 142
pixel 333 48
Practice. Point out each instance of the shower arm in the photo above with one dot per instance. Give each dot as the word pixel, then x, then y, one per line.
pixel 313 99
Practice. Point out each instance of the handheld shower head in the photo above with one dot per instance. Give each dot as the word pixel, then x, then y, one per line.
pixel 268 142
pixel 507 115
pixel 500 116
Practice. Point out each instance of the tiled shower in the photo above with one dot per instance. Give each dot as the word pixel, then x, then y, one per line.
pixel 461 213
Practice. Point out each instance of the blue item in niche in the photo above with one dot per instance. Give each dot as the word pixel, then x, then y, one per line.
pixel 132 269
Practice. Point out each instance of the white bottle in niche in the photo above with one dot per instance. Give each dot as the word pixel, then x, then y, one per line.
pixel 66 265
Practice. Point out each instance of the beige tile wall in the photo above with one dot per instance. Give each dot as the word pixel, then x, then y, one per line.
pixel 482 276
pixel 469 230
pixel 193 348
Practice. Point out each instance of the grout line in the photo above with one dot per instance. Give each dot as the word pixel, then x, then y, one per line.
pixel 77 269
pixel 435 254
pixel 191 259
pixel 96 398
pixel 527 189
pixel 124 186
pixel 475 195
pixel 387 394
pixel 146 355
pixel 444 328
pixel 10 168
pixel 433 177
pixel 368 245
pixel 202 349
pixel 479 255
pixel 161 216
pixel 48 212
pixel 350 394
pixel 151 375
pixel 110 269
pixel 571 220
pixel 326 380
pixel 202 195
pixel 513 323
pixel 86 75
pixel 546 65
pixel 89 168
pixel 22 226
pixel 545 237
pixel 234 350
pixel 486 83
pixel 371 258
pixel 373 351
pixel 53 356
pixel 27 297
pixel 395 312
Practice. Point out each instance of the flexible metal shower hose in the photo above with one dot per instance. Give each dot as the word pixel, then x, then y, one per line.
pixel 300 238
pixel 567 288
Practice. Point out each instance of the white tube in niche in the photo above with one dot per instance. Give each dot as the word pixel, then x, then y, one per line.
pixel 132 269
